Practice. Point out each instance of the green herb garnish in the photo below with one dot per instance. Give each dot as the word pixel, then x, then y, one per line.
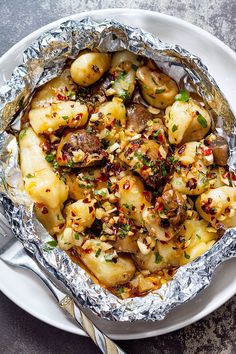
pixel 119 291
pixel 29 175
pixel 158 257
pixel 49 157
pixel 158 91
pixel 186 255
pixel 202 121
pixel 163 170
pixel 52 243
pixel 76 235
pixel 134 67
pixel 182 96
pixel 22 133
pixel 65 117
pixel 174 128
pixel 98 253
pixel 70 163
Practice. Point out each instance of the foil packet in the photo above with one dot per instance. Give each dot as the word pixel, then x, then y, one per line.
pixel 44 60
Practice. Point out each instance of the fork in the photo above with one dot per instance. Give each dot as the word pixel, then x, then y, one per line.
pixel 13 254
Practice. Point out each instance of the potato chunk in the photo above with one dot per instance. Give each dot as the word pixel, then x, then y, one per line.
pixel 197 237
pixel 56 90
pixel 108 273
pixel 186 121
pixel 81 214
pixel 218 206
pixel 158 89
pixel 64 114
pixel 89 67
pixel 41 183
pixel 194 176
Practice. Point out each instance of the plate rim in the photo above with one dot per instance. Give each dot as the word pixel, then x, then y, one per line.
pixel 107 12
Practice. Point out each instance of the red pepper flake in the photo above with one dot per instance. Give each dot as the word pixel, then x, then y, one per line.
pixel 206 152
pixel 227 210
pixel 90 209
pixel 142 206
pixel 192 184
pixel 226 174
pixel 48 190
pixel 233 176
pixel 61 97
pixel 159 205
pixel 167 235
pixel 86 200
pixel 182 149
pixel 78 116
pixel 73 214
pixel 103 177
pixel 45 210
pixel 126 185
pixel 160 138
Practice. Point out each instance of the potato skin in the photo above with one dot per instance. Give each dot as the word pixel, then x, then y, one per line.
pixel 158 89
pixel 182 121
pixel 89 67
pixel 64 114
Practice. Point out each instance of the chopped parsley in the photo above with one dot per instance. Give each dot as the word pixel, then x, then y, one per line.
pixel 49 157
pixel 76 235
pixel 158 257
pixel 198 236
pixel 187 256
pixel 100 192
pixel 22 133
pixel 52 243
pixel 202 121
pixel 29 175
pixel 65 117
pixel 123 230
pixel 134 67
pixel 174 128
pixel 97 254
pixel 183 96
pixel 119 291
pixel 125 95
pixel 105 144
pixel 163 170
pixel 70 163
pixel 158 91
pixel 128 206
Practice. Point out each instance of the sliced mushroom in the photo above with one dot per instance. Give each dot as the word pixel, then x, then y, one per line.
pixel 219 147
pixel 137 117
pixel 79 149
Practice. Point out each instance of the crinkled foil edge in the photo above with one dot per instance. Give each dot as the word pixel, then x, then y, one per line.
pixel 43 60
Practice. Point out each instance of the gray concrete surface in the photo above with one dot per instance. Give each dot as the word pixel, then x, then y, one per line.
pixel 21 333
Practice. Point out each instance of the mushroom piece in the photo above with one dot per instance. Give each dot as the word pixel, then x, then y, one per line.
pixel 173 206
pixel 79 149
pixel 137 117
pixel 219 147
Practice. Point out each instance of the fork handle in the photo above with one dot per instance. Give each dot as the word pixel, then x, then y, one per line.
pixel 106 345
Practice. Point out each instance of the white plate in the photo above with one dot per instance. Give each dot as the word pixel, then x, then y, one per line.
pixel 27 291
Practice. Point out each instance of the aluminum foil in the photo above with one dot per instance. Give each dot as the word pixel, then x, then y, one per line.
pixel 42 61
